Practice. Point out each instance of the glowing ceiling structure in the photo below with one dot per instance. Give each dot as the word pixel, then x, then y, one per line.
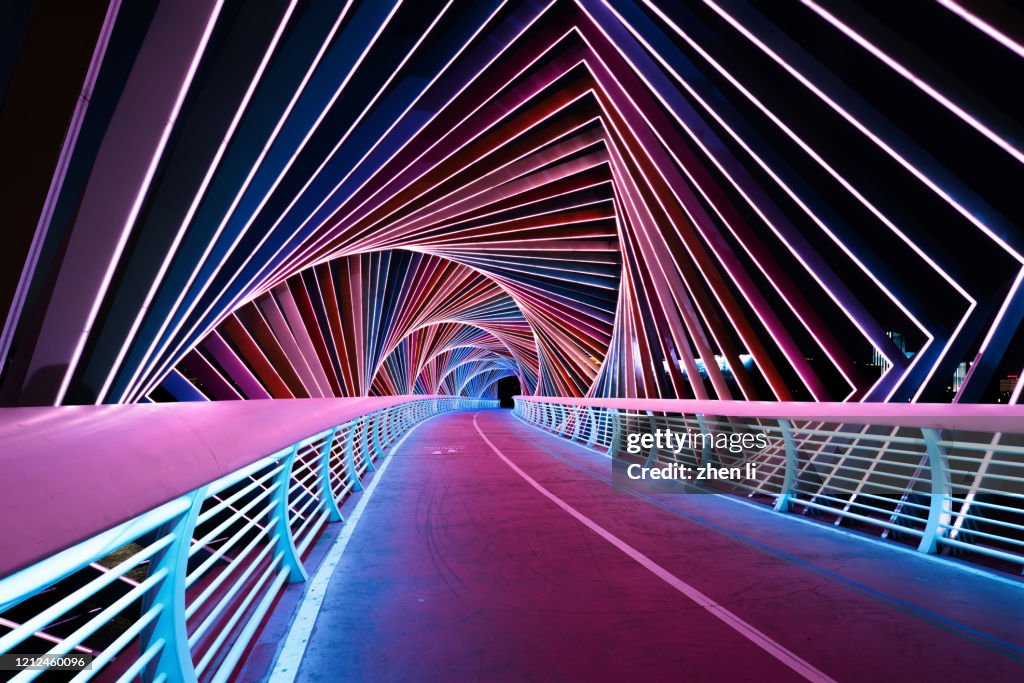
pixel 602 198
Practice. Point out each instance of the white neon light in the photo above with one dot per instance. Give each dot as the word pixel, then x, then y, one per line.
pixel 196 201
pixel 669 150
pixel 983 26
pixel 252 172
pixel 807 210
pixel 145 365
pixel 953 107
pixel 108 275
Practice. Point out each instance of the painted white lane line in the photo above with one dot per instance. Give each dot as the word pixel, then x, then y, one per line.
pixel 749 632
pixel 286 668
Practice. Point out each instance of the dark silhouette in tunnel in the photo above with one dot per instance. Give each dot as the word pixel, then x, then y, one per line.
pixel 507 388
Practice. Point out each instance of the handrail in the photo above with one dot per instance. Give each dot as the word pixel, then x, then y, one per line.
pixel 182 522
pixel 986 417
pixel 70 472
pixel 947 478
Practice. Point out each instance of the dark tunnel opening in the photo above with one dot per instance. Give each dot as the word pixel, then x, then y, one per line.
pixel 507 388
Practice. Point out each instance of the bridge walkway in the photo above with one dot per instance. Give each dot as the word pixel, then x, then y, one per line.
pixel 493 551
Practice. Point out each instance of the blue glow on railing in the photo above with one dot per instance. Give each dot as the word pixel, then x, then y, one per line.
pixel 844 470
pixel 204 568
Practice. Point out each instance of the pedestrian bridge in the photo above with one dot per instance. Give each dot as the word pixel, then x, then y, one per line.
pixel 265 268
pixel 406 539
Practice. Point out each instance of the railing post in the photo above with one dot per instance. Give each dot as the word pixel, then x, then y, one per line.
pixel 652 455
pixel 594 426
pixel 937 515
pixel 174 660
pixel 380 434
pixel 325 478
pixel 576 422
pixel 782 503
pixel 392 425
pixel 381 430
pixel 385 426
pixel 285 542
pixel 350 460
pixel 613 447
pixel 705 449
pixel 372 438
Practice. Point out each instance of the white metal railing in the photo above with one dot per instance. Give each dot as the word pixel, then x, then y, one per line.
pixel 177 593
pixel 928 475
